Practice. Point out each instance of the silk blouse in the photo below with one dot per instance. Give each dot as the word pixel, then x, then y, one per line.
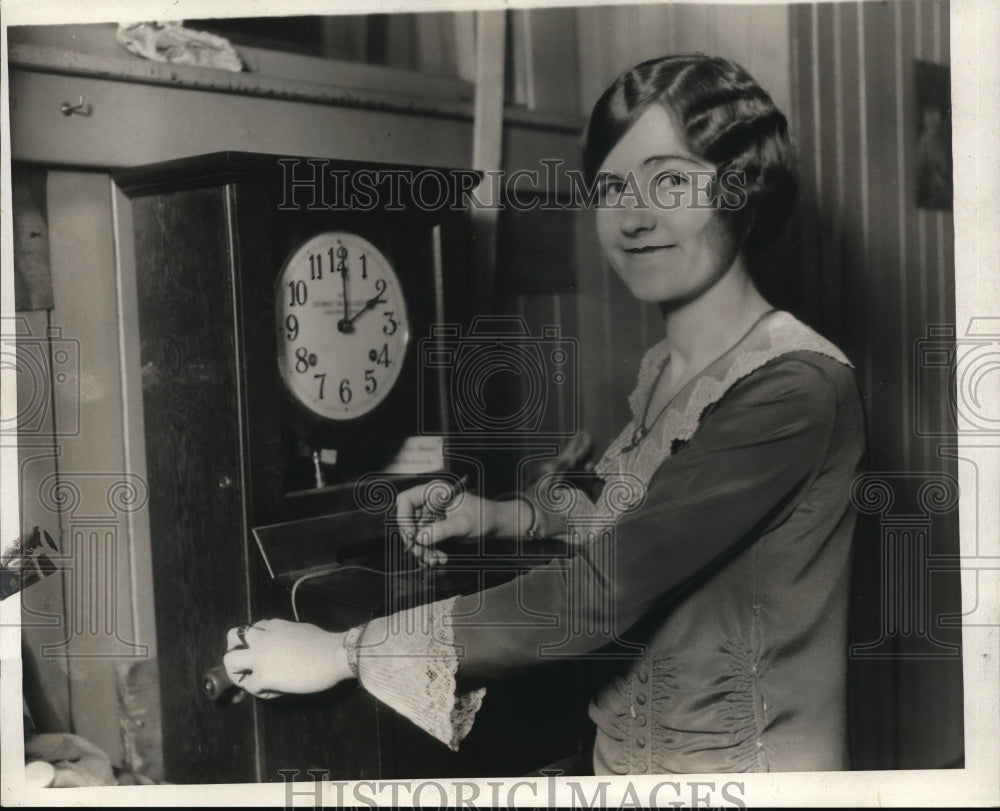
pixel 709 584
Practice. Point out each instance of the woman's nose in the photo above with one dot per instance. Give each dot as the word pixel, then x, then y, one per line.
pixel 636 217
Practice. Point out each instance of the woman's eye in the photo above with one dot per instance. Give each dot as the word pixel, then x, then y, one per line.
pixel 611 191
pixel 671 179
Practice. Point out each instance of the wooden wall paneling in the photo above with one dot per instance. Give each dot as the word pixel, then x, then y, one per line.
pixel 931 237
pixel 487 142
pixel 435 43
pixel 46 678
pixel 909 282
pixel 887 255
pixel 852 235
pixel 829 167
pixel 946 233
pixel 400 40
pixel 863 199
pixel 545 58
pixel 624 347
pixel 805 226
pixel 594 74
pixel 882 316
pixel 652 33
pixel 464 23
pixel 92 458
pixel 770 65
pixel 923 45
pixel 596 393
pixel 596 33
pixel 345 37
pixel 891 397
pixel 933 738
pixel 845 114
pixel 693 30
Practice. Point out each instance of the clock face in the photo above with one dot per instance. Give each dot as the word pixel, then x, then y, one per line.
pixel 342 325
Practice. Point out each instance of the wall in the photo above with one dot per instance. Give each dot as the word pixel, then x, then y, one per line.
pixel 611 328
pixel 878 273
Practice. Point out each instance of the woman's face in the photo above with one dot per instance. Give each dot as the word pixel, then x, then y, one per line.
pixel 656 221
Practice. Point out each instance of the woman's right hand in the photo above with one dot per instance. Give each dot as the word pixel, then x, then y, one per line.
pixel 431 513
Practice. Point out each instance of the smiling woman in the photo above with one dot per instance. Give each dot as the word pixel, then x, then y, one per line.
pixel 709 583
pixel 667 245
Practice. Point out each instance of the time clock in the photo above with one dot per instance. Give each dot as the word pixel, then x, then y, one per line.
pixel 274 361
pixel 342 324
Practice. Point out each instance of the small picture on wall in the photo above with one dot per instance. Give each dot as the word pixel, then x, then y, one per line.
pixel 934 167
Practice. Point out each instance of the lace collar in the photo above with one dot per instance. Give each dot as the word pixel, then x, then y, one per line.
pixel 777 334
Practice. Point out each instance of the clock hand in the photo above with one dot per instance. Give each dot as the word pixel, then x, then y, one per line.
pixel 369 305
pixel 344 325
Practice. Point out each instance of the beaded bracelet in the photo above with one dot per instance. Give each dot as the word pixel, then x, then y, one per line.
pixel 533 531
pixel 351 640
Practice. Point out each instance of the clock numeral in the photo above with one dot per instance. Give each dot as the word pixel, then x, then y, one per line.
pixel 380 358
pixel 364 266
pixel 304 359
pixel 342 256
pixel 322 382
pixel 292 325
pixel 370 382
pixel 380 286
pixel 390 328
pixel 345 391
pixel 298 292
pixel 315 266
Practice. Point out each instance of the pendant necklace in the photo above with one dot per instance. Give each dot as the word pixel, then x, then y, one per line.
pixel 640 433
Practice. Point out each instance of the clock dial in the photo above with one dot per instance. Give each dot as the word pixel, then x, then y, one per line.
pixel 342 325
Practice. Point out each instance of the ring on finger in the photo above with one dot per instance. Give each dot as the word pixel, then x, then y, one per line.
pixel 241 635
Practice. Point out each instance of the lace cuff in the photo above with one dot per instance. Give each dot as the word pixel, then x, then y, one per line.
pixel 409 661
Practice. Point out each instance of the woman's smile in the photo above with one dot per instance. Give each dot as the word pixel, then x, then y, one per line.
pixel 646 250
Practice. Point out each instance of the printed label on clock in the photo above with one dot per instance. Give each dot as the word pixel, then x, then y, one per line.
pixel 342 325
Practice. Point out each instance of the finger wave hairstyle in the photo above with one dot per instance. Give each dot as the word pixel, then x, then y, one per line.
pixel 725 117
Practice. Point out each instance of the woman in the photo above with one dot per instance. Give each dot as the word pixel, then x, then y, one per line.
pixel 717 586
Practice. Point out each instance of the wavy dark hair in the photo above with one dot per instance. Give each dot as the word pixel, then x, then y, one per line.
pixel 726 118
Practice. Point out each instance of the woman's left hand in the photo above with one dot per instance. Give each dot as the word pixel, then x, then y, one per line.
pixel 273 657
